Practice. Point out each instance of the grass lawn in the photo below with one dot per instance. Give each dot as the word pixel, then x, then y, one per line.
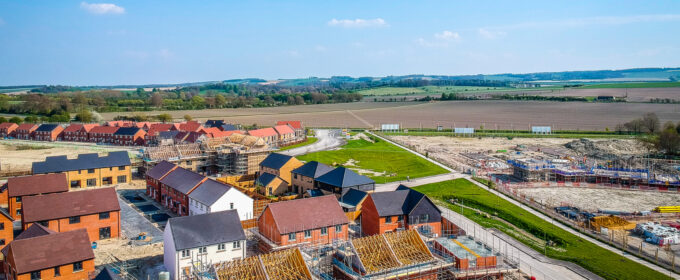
pixel 310 140
pixel 380 156
pixel 567 247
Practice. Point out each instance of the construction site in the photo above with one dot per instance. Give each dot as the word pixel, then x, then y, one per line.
pixel 236 154
pixel 395 255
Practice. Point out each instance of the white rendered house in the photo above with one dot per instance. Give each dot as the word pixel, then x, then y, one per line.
pixel 212 196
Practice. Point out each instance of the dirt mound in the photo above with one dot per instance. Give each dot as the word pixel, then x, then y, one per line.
pixel 609 149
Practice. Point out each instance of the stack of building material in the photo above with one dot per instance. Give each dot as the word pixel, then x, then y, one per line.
pixel 658 234
pixel 611 223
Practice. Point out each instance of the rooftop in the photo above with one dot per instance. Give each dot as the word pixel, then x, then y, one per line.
pixel 36 184
pixel 209 192
pixel 206 229
pixel 47 251
pixel 47 127
pixel 84 161
pixel 182 180
pixel 275 160
pixel 161 169
pixel 308 213
pixel 69 204
pixel 312 169
pixel 344 178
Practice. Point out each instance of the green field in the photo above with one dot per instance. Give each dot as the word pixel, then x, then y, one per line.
pixel 379 157
pixel 531 230
pixel 310 140
pixel 633 85
pixel 438 90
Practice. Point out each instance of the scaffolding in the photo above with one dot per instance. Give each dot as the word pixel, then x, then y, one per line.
pixel 285 265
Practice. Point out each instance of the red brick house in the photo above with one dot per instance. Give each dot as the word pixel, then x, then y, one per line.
pixel 400 210
pixel 152 134
pixel 48 132
pixel 129 136
pixel 6 228
pixel 190 126
pixel 154 177
pixel 40 253
pixel 77 132
pixel 7 129
pixel 268 134
pixel 176 187
pixel 25 131
pixel 297 126
pixel 96 210
pixel 20 187
pixel 316 220
pixel 102 134
pixel 286 135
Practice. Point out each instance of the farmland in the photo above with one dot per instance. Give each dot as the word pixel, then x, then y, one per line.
pixel 381 161
pixel 635 85
pixel 530 230
pixel 506 114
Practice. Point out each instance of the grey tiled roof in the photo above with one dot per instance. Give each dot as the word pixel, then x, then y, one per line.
pixel 206 229
pixel 312 169
pixel 344 178
pixel 209 192
pixel 84 161
pixel 275 160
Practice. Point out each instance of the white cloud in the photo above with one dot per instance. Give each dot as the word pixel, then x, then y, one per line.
pixel 447 35
pixel 441 39
pixel 491 34
pixel 358 23
pixel 102 8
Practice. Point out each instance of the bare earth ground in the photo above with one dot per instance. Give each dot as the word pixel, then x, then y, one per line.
pixel 603 199
pixel 490 113
pixel 633 94
pixel 12 159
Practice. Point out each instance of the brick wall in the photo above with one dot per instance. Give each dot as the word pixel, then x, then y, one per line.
pixel 66 272
pixel 91 223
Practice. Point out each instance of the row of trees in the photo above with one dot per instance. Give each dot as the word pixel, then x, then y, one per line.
pixel 665 139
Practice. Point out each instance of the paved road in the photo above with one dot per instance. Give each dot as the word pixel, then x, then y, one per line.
pixel 327 139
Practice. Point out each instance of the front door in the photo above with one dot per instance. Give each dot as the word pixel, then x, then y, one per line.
pixel 105 233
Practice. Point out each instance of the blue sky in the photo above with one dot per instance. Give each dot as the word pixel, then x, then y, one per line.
pixel 140 42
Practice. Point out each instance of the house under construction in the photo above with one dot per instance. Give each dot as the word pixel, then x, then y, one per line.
pixel 236 154
pixel 285 265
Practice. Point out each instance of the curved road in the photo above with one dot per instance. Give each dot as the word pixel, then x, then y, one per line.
pixel 327 139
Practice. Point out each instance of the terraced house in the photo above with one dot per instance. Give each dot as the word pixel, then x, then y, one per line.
pixel 102 134
pixel 96 211
pixel 154 177
pixel 7 129
pixel 48 132
pixel 128 136
pixel 89 170
pixel 19 188
pixel 176 187
pixel 401 209
pixel 25 131
pixel 41 253
pixel 78 132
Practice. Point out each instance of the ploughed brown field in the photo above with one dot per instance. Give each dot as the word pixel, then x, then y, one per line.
pixel 490 113
pixel 632 94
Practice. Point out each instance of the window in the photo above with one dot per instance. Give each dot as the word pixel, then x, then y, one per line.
pixel 185 253
pixel 236 244
pixel 202 250
pixel 221 246
pixel 308 233
pixel 122 179
pixel 400 218
pixel 2 241
pixel 35 275
pixel 291 236
pixel 338 228
pixel 91 182
pixel 324 231
pixel 121 168
pixel 424 218
pixel 2 226
pixel 105 233
pixel 110 168
pixel 77 266
pixel 188 162
pixel 388 220
pixel 74 220
pixel 78 171
pixel 18 212
pixel 44 223
pixel 18 198
pixel 56 271
pixel 104 215
pixel 231 205
pixel 90 171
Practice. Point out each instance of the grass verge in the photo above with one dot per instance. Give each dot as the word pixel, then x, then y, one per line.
pixel 379 157
pixel 564 245
pixel 310 140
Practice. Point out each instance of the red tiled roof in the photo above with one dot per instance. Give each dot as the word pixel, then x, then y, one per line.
pixel 89 126
pixel 47 251
pixel 284 129
pixel 308 213
pixel 27 126
pixel 104 129
pixel 293 124
pixel 208 130
pixel 190 126
pixel 73 128
pixel 6 125
pixel 158 127
pixel 263 132
pixel 37 184
pixel 69 204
